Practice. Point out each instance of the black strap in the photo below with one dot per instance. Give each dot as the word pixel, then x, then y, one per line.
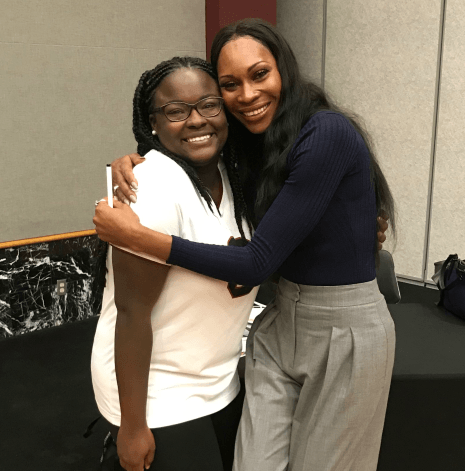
pixel 440 281
pixel 88 431
pixel 451 259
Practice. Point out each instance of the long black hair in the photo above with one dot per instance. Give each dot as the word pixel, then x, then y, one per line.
pixel 265 155
pixel 143 106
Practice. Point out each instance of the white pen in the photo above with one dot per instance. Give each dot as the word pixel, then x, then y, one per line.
pixel 109 186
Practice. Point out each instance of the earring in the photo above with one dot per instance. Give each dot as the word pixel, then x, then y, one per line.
pixel 154 132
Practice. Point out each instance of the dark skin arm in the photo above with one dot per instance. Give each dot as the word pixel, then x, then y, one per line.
pixel 124 178
pixel 138 284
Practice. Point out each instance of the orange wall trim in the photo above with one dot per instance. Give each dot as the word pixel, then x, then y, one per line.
pixel 49 238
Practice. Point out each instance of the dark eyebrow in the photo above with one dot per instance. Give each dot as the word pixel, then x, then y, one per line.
pixel 248 70
pixel 208 95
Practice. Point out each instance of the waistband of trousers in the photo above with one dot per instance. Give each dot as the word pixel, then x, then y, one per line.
pixel 331 296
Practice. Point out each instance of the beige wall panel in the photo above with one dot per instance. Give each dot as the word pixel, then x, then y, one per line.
pixel 67 112
pixel 448 209
pixel 173 24
pixel 301 22
pixel 381 62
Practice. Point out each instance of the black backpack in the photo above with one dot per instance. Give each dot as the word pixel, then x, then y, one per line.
pixel 451 283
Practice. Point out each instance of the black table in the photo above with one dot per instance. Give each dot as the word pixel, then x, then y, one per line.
pixel 425 417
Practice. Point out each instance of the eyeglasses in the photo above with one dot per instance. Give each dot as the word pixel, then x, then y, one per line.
pixel 180 111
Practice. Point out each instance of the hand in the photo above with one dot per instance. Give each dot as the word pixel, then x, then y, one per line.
pixel 118 225
pixel 122 176
pixel 382 228
pixel 136 449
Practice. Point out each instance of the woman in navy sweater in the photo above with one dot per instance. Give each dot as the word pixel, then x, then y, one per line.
pixel 319 358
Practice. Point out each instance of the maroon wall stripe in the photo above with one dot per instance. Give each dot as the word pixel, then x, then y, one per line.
pixel 219 13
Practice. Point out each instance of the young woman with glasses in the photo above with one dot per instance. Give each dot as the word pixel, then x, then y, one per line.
pixel 319 358
pixel 168 340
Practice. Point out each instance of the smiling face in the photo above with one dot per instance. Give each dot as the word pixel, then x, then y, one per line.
pixel 198 140
pixel 250 82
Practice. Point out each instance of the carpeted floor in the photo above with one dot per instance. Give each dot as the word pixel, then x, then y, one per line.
pixel 47 400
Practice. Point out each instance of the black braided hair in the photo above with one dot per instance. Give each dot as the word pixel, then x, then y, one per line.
pixel 143 105
pixel 241 209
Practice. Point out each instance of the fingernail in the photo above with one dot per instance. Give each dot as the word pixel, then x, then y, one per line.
pixel 133 198
pixel 116 198
pixel 134 186
pixel 126 201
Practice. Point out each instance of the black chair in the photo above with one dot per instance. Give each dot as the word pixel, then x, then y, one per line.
pixel 386 277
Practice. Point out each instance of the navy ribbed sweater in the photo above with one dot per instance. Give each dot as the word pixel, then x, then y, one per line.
pixel 321 228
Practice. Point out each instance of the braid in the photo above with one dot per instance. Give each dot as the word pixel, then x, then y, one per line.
pixel 240 206
pixel 141 132
pixel 143 108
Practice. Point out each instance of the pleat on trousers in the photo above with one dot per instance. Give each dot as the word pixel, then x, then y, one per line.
pixel 318 371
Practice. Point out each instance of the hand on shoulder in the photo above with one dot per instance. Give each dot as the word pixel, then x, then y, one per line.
pixel 123 177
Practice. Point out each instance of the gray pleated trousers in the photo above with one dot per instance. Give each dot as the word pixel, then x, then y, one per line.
pixel 318 370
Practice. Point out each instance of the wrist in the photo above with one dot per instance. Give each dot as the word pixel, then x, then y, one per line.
pixel 137 238
pixel 133 426
pixel 145 240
